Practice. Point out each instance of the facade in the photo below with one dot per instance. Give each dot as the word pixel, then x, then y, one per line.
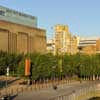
pixel 98 46
pixel 74 44
pixel 51 46
pixel 89 46
pixel 18 37
pixel 65 42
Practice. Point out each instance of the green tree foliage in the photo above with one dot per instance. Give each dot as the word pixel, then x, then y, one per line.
pixel 9 60
pixel 45 65
pixel 70 64
pixel 50 66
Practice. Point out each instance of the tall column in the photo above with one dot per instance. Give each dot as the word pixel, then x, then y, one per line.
pixel 31 44
pixel 12 42
pixel 4 40
pixel 22 42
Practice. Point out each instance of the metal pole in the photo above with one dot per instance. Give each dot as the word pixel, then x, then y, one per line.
pixel 70 43
pixel 7 74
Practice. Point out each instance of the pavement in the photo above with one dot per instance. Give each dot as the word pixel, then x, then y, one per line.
pixel 49 93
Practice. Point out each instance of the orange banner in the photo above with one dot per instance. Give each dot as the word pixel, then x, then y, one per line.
pixel 27 67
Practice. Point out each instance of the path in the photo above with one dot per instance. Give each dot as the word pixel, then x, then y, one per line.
pixel 49 93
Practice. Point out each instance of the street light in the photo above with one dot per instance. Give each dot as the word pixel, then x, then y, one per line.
pixel 7 74
pixel 6 97
pixel 53 84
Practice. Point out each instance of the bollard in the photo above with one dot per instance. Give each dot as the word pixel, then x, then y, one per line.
pixel 0 93
pixel 22 89
pixel 39 85
pixel 17 90
pixel 35 86
pixel 43 84
pixel 12 91
pixel 31 88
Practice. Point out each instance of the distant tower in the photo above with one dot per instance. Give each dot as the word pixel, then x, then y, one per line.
pixel 62 38
pixel 65 42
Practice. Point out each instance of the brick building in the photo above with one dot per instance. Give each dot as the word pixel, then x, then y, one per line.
pixel 19 33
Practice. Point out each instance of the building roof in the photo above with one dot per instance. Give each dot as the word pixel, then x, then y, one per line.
pixel 87 42
pixel 17 17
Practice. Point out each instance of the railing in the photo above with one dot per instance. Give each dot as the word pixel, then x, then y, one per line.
pixel 16 89
pixel 84 91
pixel 81 93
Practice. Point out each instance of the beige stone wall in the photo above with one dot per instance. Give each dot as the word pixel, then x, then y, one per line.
pixel 98 45
pixel 12 45
pixel 38 42
pixel 74 45
pixel 89 50
pixel 21 39
pixel 22 42
pixel 4 34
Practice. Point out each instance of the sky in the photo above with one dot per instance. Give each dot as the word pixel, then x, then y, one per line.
pixel 82 16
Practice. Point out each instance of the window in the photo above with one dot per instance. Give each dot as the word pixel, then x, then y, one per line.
pixel 2 13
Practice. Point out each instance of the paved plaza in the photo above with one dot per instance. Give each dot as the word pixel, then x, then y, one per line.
pixel 46 94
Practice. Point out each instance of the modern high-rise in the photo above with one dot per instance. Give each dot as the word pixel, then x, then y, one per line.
pixel 19 33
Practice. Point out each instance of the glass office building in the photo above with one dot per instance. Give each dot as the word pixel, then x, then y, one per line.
pixel 17 17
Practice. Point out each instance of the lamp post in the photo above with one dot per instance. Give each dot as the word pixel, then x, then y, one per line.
pixel 54 83
pixel 7 74
pixel 60 59
pixel 70 44
pixel 80 63
pixel 6 97
pixel 7 71
pixel 53 74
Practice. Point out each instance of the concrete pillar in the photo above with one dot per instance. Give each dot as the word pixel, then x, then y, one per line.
pixel 12 42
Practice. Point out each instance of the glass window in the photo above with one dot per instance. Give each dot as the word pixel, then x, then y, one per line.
pixel 2 13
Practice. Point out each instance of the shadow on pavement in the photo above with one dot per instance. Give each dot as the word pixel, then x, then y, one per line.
pixel 8 97
pixel 12 97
